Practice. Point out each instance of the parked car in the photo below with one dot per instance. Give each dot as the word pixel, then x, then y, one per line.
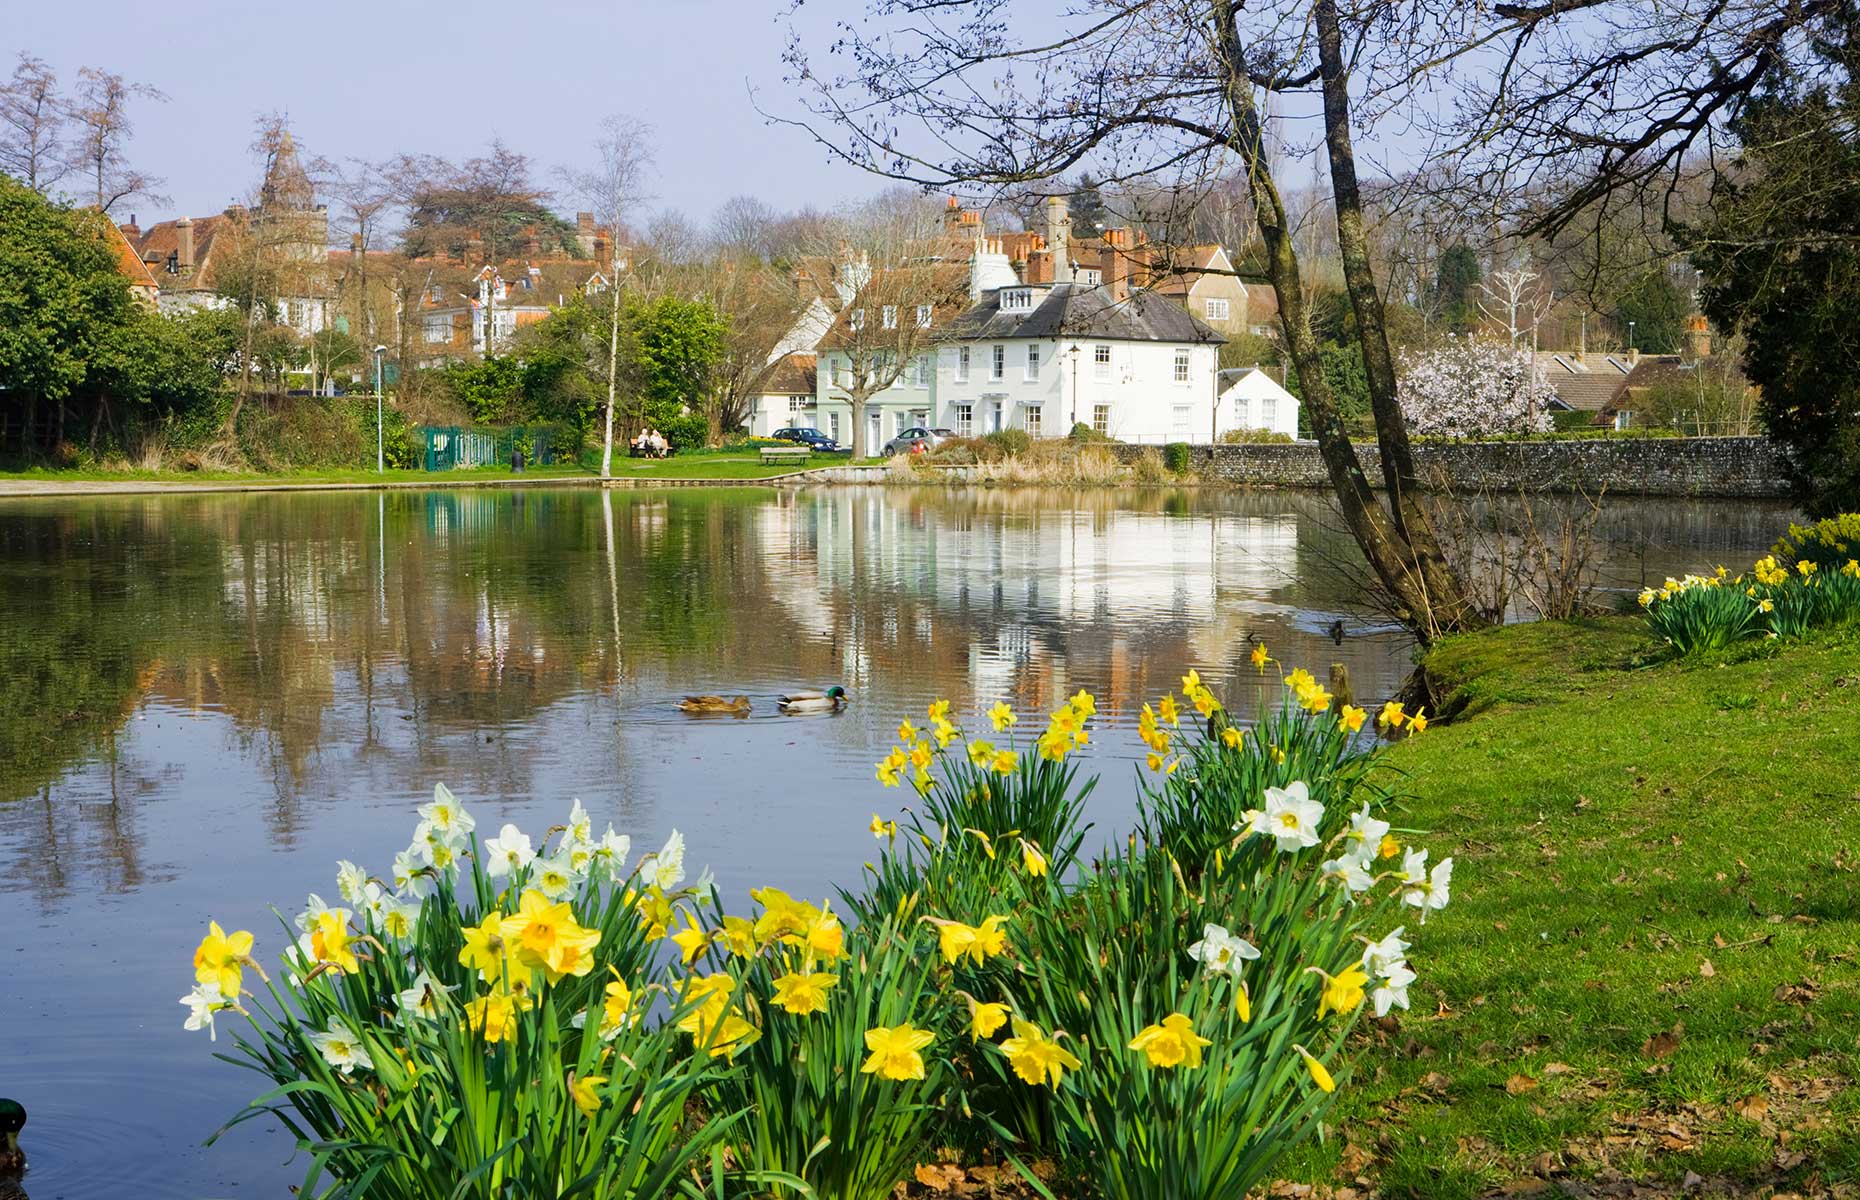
pixel 808 436
pixel 917 439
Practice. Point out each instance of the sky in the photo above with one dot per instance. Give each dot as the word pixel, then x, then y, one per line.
pixel 371 79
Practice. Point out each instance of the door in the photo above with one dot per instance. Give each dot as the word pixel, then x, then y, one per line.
pixel 877 437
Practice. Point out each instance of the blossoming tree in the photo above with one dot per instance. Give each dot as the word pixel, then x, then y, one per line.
pixel 1473 387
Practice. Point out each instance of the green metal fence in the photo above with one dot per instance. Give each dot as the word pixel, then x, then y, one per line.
pixel 457 447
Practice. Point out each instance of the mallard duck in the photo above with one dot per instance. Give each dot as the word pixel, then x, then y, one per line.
pixel 12 1120
pixel 715 705
pixel 1335 629
pixel 831 700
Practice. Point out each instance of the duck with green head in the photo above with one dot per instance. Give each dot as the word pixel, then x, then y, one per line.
pixel 831 700
pixel 12 1120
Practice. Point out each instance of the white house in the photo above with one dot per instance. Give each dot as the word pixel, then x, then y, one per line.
pixel 1252 399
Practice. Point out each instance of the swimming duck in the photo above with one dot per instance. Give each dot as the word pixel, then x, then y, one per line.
pixel 737 707
pixel 12 1120
pixel 831 700
pixel 1335 629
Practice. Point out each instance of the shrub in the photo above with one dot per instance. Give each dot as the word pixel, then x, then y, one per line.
pixel 1007 443
pixel 1256 437
pixel 1081 432
pixel 686 432
pixel 1176 457
pixel 1148 466
pixel 957 452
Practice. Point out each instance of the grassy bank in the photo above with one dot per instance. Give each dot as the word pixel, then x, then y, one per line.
pixel 1649 968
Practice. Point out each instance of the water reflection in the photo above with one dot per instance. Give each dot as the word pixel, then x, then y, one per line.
pixel 208 699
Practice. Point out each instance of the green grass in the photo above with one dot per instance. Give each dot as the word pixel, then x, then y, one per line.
pixel 1618 823
pixel 716 464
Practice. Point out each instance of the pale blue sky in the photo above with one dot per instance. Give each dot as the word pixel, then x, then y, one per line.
pixel 375 77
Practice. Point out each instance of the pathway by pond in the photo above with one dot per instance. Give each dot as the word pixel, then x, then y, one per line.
pixel 209 699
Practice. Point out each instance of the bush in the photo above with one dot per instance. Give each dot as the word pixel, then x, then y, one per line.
pixel 1148 466
pixel 1005 443
pixel 1081 432
pixel 686 432
pixel 1256 437
pixel 957 452
pixel 1176 457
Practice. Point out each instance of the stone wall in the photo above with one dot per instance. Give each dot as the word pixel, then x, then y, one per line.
pixel 1730 467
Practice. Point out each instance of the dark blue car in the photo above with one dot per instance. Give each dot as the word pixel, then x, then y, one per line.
pixel 808 436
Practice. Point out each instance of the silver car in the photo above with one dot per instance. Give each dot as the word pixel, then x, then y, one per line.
pixel 917 439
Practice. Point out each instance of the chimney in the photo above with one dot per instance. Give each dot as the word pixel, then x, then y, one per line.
pixel 132 231
pixel 1698 336
pixel 584 232
pixel 1039 267
pixel 1059 238
pixel 184 243
pixel 1116 263
pixel 952 214
pixel 1633 356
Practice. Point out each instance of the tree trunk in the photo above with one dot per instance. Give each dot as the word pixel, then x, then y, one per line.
pixel 613 372
pixel 1449 606
pixel 859 448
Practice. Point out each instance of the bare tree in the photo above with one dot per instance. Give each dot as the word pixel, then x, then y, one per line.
pixel 615 186
pixel 744 227
pixel 364 208
pixel 1512 300
pixel 33 123
pixel 100 112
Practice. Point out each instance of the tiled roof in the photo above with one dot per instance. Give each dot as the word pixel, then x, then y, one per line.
pixel 1074 310
pixel 163 239
pixel 791 375
pixel 129 263
pixel 1585 382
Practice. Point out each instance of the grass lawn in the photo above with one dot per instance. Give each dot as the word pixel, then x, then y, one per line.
pixel 716 464
pixel 308 475
pixel 1649 965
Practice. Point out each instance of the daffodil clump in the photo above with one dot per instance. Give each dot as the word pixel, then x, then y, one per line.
pixel 1778 597
pixel 469 1022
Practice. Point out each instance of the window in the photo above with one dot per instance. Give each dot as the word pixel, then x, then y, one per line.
pixel 1268 411
pixel 1017 300
pixel 1089 276
pixel 965 419
pixel 1181 366
pixel 438 330
pixel 920 371
pixel 855 320
pixel 962 364
pixel 923 316
pixel 997 368
pixel 833 426
pixel 796 404
pixel 888 316
pixel 1182 412
pixel 1101 418
pixel 1216 309
pixel 437 294
pixel 1100 362
pixel 1033 360
pixel 1032 421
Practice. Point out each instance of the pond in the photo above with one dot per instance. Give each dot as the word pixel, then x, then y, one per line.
pixel 207 700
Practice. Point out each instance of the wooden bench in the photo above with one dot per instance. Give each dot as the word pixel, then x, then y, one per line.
pixel 784 454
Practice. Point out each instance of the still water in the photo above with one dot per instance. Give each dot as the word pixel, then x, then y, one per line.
pixel 207 700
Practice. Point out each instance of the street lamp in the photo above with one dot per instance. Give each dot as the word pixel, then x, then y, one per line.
pixel 380 461
pixel 1630 335
pixel 1073 354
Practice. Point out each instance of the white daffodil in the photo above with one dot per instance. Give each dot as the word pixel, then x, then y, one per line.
pixel 1253 820
pixel 202 1003
pixel 1220 951
pixel 1425 890
pixel 445 815
pixel 509 851
pixel 1353 869
pixel 424 998
pixel 350 881
pixel 1391 990
pixel 410 874
pixel 1379 958
pixel 1292 816
pixel 1366 833
pixel 665 867
pixel 580 827
pixel 313 909
pixel 554 877
pixel 397 918
pixel 612 851
pixel 342 1049
pixel 440 852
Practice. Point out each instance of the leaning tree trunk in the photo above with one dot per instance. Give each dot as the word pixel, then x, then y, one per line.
pixel 1450 608
pixel 1376 534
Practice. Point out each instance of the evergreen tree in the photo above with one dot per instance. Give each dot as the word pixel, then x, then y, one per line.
pixel 1658 312
pixel 1087 208
pixel 1455 286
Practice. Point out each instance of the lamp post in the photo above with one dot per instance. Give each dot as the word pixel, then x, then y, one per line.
pixel 1073 354
pixel 380 459
pixel 1630 335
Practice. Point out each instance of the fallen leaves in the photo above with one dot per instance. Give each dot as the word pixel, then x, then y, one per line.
pixel 1665 1043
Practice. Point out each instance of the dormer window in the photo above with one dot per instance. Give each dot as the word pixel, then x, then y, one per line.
pixel 923 316
pixel 855 320
pixel 888 316
pixel 1017 300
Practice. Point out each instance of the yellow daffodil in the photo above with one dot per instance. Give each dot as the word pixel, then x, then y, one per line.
pixel 896 1051
pixel 988 843
pixel 705 997
pixel 824 938
pixel 221 957
pixel 1351 717
pixel 882 828
pixel 981 752
pixel 1204 701
pixel 738 935
pixel 485 948
pixel 1005 762
pixel 546 936
pixel 726 1037
pixel 1031 859
pixel 1806 568
pixel 1392 715
pixel 1191 682
pixel 1418 722
pixel 1084 704
pixel 616 1005
pixel 783 917
pixel 494 1017
pixel 655 912
pixel 938 711
pixel 1389 847
pixel 1315 698
pixel 1243 1003
pixel 907 732
pixel 1319 1075
pixel 1173 1043
pixel 1260 658
pixel 1166 709
pixel 1036 1057
pixel 1155 761
pixel 985 1019
pixel 804 993
pixel 582 1091
pixel 1232 736
pixel 1342 991
pixel 330 940
pixel 691 941
pixel 1766 605
pixel 920 756
pixel 978 942
pixel 1001 716
pixel 945 734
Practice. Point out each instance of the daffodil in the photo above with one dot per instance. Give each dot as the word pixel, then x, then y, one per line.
pixel 907 732
pixel 1001 716
pixel 1004 762
pixel 616 1006
pixel 1389 847
pixel 583 1092
pixel 221 957
pixel 1031 860
pixel 1166 709
pixel 1392 715
pixel 655 910
pixel 981 752
pixel 945 734
pixel 445 815
pixel 738 936
pixel 988 843
pixel 691 941
pixel 1319 1075
pixel 546 936
pixel 411 874
pixel 330 941
pixel 1351 717
pixel 509 851
pixel 554 877
pixel 494 1017
pixel 1232 737
pixel 341 1049
pixel 1418 722
pixel 985 1019
pixel 896 1051
pixel 977 942
pixel 203 1003
pixel 1172 1043
pixel 804 993
pixel 579 826
pixel 1391 989
pixel 883 829
pixel 1243 1002
pixel 425 998
pixel 938 711
pixel 1290 817
pixel 1342 991
pixel 1035 1057
pixel 350 880
pixel 1220 952
pixel 1424 889
pixel 1260 658
pixel 611 852
pixel 664 868
pixel 823 938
